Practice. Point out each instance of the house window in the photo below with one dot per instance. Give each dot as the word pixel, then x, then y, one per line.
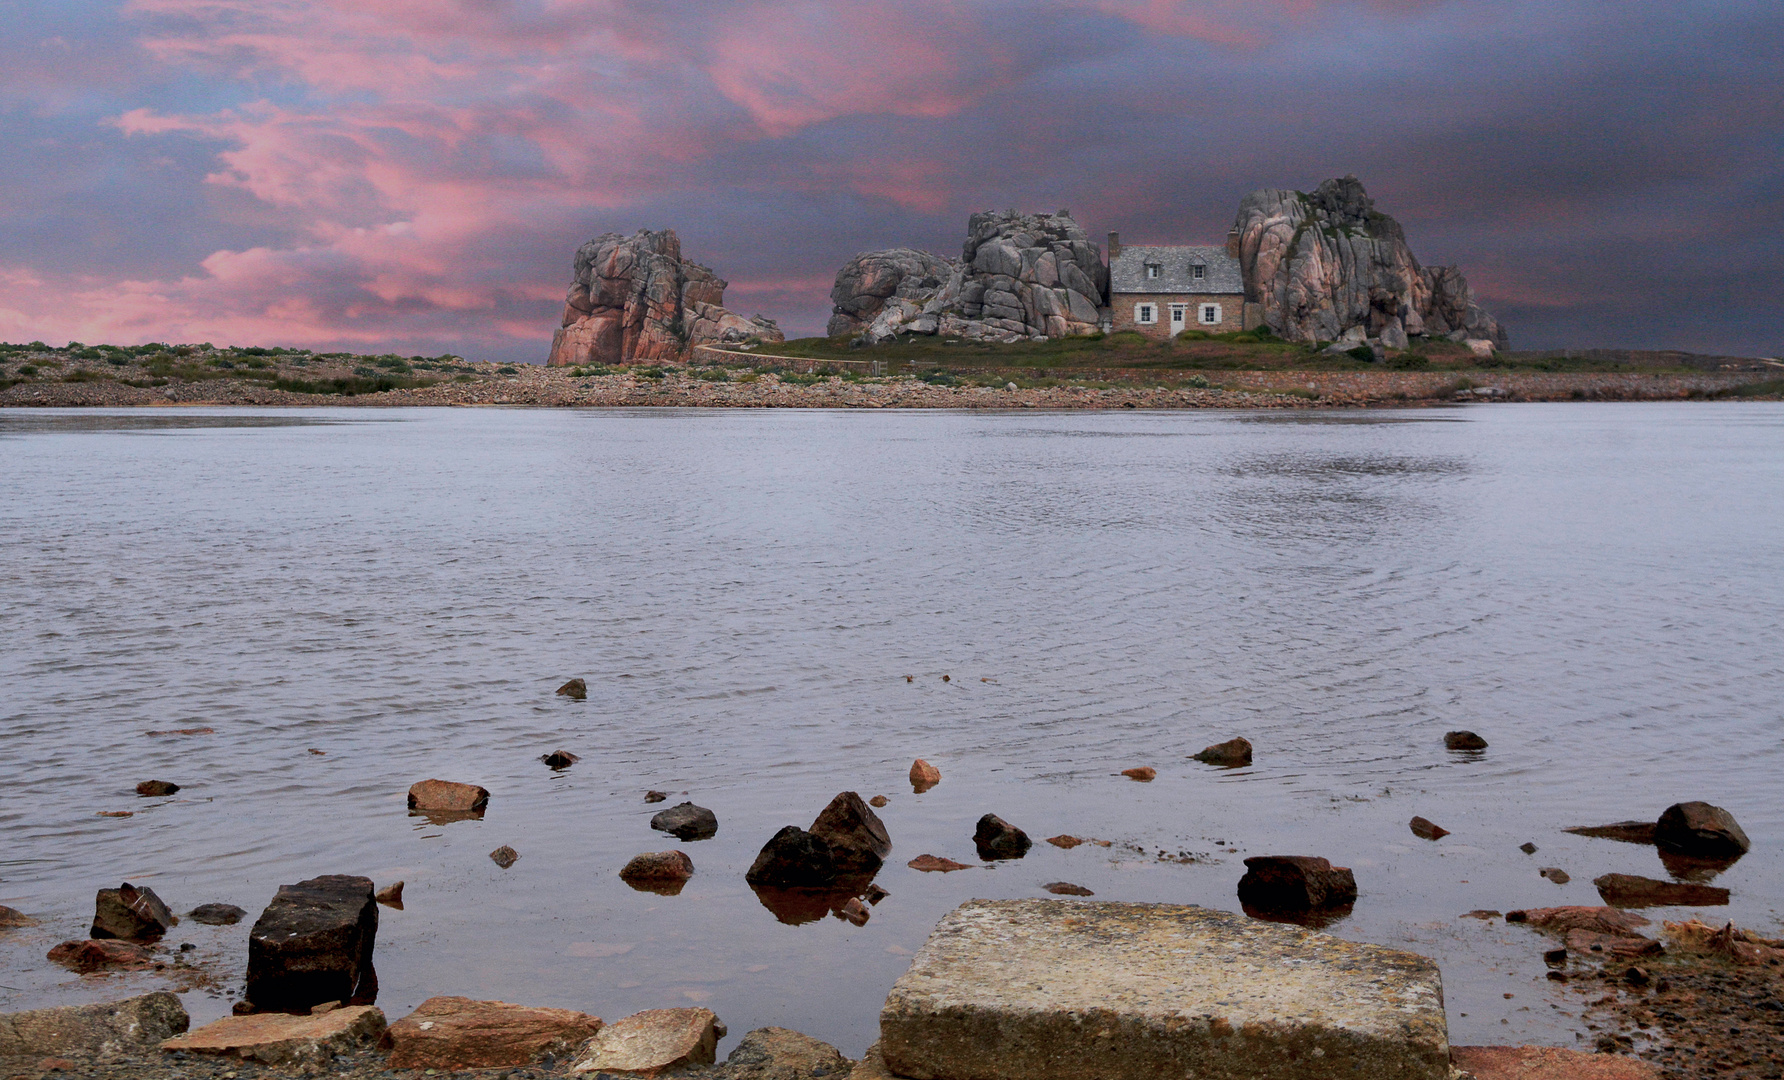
pixel 1152 270
pixel 1198 271
pixel 1210 314
pixel 1145 314
pixel 1176 317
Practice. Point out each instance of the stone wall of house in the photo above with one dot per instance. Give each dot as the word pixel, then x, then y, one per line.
pixel 1122 306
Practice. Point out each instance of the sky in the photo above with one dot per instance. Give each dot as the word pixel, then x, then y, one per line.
pixel 415 176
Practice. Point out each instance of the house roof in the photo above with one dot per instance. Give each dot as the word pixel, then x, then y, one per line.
pixel 1127 271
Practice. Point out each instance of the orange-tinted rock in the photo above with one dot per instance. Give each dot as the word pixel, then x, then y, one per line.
pixel 924 776
pixel 658 868
pixel 575 688
pixel 446 800
pixel 1295 883
pixel 1230 754
pixel 1426 830
pixel 1731 941
pixel 461 1033
pixel 936 863
pixel 1547 1063
pixel 283 1039
pixel 1142 773
pixel 1064 841
pixel 878 801
pixel 652 1042
pixel 1624 946
pixel 1066 888
pixel 89 955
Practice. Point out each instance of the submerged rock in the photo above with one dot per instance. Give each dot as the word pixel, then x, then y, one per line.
pixel 936 864
pixel 12 918
pixel 686 822
pixel 652 1042
pixel 102 1031
pixel 998 839
pixel 1295 883
pixel 878 801
pixel 391 895
pixel 1064 841
pixel 560 759
pixel 442 801
pixel 313 944
pixel 130 913
pixel 504 856
pixel 793 858
pixel 1559 920
pixel 216 914
pixel 156 787
pixel 282 1039
pixel 454 1033
pixel 1229 754
pixel 855 834
pixel 1547 1063
pixel 655 796
pixel 576 689
pixel 87 955
pixel 1628 890
pixel 1700 830
pixel 1463 740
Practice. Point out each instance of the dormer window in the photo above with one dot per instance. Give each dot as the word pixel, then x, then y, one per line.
pixel 1153 269
pixel 1198 271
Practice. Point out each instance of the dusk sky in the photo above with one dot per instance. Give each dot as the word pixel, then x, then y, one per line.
pixel 415 175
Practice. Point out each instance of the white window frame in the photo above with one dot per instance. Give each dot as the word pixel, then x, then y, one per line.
pixel 1179 316
pixel 1209 309
pixel 1153 270
pixel 1145 314
pixel 1198 271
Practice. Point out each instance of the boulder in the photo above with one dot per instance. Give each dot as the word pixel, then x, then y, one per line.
pixel 658 871
pixel 773 1053
pixel 1143 773
pixel 560 759
pixel 1327 263
pixel 87 955
pixel 1463 740
pixel 12 918
pixel 1547 1063
pixel 283 1039
pixel 652 1042
pixel 504 856
pixel 216 914
pixel 998 839
pixel 1426 830
pixel 1072 989
pixel 156 787
pixel 634 299
pixel 130 913
pixel 1629 832
pixel 924 776
pixel 576 689
pixel 872 279
pixel 1628 890
pixel 444 800
pixel 314 944
pixel 936 864
pixel 1229 754
pixel 454 1033
pixel 856 836
pixel 1295 883
pixel 1700 830
pixel 102 1031
pixel 1066 888
pixel 686 822
pixel 793 859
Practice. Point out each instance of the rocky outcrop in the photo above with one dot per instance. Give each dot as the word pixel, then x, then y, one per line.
pixel 1328 263
pixel 1019 276
pixel 634 298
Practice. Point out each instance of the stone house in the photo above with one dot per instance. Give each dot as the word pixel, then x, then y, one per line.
pixel 1161 291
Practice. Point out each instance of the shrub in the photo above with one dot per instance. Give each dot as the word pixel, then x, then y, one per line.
pixel 27 370
pixel 1361 352
pixel 396 364
pixel 1408 362
pixel 507 369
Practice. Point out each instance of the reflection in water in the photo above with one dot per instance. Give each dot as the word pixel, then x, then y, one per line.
pixel 1312 918
pixel 33 422
pixel 799 907
pixel 1694 868
pixel 447 817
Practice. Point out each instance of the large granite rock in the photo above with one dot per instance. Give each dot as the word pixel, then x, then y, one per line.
pixel 653 1042
pixel 313 944
pixel 460 1033
pixel 102 1031
pixel 634 298
pixel 1323 263
pixel 1070 990
pixel 284 1039
pixel 1019 276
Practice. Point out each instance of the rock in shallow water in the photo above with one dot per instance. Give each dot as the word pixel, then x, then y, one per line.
pixel 1066 888
pixel 792 859
pixel 216 914
pixel 1142 773
pixel 11 918
pixel 576 689
pixel 130 912
pixel 1427 830
pixel 1629 890
pixel 1628 832
pixel 855 834
pixel 560 759
pixel 658 871
pixel 924 776
pixel 1230 754
pixel 1463 740
pixel 443 801
pixel 686 822
pixel 935 864
pixel 1700 830
pixel 87 955
pixel 1547 1063
pixel 314 944
pixel 998 839
pixel 780 1054
pixel 156 788
pixel 504 856
pixel 461 1033
pixel 1295 883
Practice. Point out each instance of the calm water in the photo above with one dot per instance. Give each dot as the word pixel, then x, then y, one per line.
pixel 1595 588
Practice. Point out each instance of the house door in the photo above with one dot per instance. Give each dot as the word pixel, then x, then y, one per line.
pixel 1177 317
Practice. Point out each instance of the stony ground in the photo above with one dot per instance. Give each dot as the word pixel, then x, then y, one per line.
pixel 1696 1017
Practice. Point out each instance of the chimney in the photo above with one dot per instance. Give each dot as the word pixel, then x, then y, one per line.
pixel 1233 244
pixel 1114 245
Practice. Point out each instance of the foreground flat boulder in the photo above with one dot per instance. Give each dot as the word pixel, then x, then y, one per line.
pixel 460 1033
pixel 1629 890
pixel 313 944
pixel 442 801
pixel 793 859
pixel 1069 990
pixel 119 1027
pixel 1547 1063
pixel 686 822
pixel 284 1039
pixel 130 913
pixel 1229 754
pixel 652 1042
pixel 773 1053
pixel 1295 883
pixel 998 839
pixel 1701 831
pixel 857 837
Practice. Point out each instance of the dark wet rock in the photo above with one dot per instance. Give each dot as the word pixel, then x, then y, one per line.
pixel 856 835
pixel 655 796
pixel 1066 888
pixel 936 864
pixel 1527 848
pixel 1555 957
pixel 443 801
pixel 130 912
pixel 1701 830
pixel 998 839
pixel 1555 874
pixel 1295 883
pixel 1463 740
pixel 1229 755
pixel 779 1054
pixel 576 689
pixel 12 918
pixel 1143 773
pixel 854 911
pixel 924 776
pixel 1629 832
pixel 101 1031
pixel 156 787
pixel 87 955
pixel 391 896
pixel 1426 830
pixel 504 856
pixel 216 914
pixel 560 759
pixel 656 870
pixel 1629 890
pixel 878 801
pixel 875 894
pixel 686 822
pixel 313 944
pixel 1559 920
pixel 793 858
pixel 454 1033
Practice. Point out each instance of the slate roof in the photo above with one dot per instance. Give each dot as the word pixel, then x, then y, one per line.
pixel 1127 271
